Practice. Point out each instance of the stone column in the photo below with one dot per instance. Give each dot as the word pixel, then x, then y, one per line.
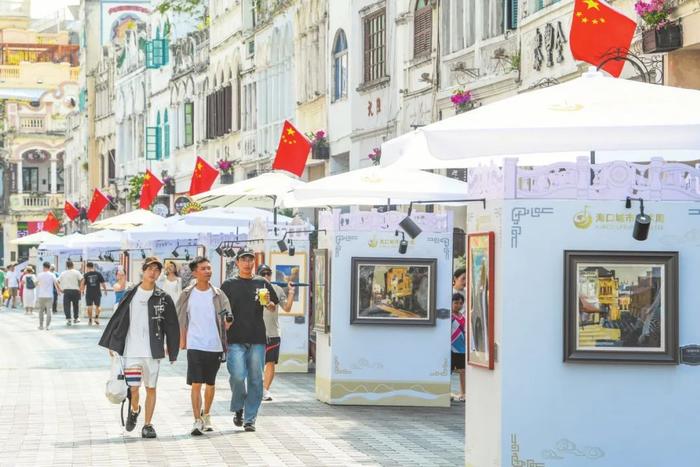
pixel 20 184
pixel 54 176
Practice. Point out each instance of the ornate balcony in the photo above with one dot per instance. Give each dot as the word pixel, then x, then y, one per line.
pixel 23 202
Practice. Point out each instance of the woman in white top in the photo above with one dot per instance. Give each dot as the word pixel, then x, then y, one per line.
pixel 29 294
pixel 170 282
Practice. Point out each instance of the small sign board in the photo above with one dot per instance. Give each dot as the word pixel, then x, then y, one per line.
pixel 690 354
pixel 181 202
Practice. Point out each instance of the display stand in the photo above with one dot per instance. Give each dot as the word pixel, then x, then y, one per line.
pixel 405 359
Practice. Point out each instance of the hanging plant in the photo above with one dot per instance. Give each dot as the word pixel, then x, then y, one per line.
pixel 135 185
pixel 318 139
pixel 375 156
pixel 462 100
pixel 654 13
pixel 225 166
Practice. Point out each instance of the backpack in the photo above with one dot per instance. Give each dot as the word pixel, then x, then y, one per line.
pixel 30 283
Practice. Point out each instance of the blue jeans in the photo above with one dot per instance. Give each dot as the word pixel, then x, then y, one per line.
pixel 246 361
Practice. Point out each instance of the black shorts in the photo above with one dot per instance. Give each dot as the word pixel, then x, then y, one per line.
pixel 202 366
pixel 272 350
pixel 93 299
pixel 457 361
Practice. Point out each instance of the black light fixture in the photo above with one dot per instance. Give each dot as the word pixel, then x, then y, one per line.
pixel 281 244
pixel 408 225
pixel 219 250
pixel 174 253
pixel 642 222
pixel 81 258
pixel 292 249
pixel 403 243
pixel 100 257
pixel 143 254
pixel 187 255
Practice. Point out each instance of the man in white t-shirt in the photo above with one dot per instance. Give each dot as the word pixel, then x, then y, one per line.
pixel 12 281
pixel 69 286
pixel 201 312
pixel 46 284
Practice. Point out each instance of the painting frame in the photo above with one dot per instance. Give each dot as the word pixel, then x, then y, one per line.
pixel 356 300
pixel 663 290
pixel 476 244
pixel 183 269
pixel 322 322
pixel 280 260
pixel 108 269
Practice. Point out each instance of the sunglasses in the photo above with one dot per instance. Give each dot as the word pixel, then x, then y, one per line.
pixel 268 273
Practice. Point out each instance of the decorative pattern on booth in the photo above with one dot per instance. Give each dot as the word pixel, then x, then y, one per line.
pixel 292 363
pixel 444 371
pixel 407 393
pixel 339 370
pixel 485 182
pixel 387 221
pixel 519 212
pixel 339 239
pixel 567 448
pixel 622 219
pixel 515 460
pixel 445 242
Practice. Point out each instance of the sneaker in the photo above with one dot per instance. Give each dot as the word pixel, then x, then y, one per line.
pixel 41 328
pixel 68 322
pixel 238 418
pixel 76 321
pixel 131 419
pixel 249 426
pixel 197 428
pixel 97 323
pixel 206 418
pixel 148 432
pixel 267 396
pixel 47 328
pixel 90 323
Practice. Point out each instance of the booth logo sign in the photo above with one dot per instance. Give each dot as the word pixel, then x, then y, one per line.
pixel 612 220
pixel 374 242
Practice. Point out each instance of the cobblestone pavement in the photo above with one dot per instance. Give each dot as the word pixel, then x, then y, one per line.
pixel 53 412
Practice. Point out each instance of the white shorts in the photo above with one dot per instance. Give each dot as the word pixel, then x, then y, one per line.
pixel 137 369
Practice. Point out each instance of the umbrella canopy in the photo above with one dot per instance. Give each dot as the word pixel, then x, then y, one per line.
pixel 265 190
pixel 129 220
pixel 61 243
pixel 98 239
pixel 590 113
pixel 376 185
pixel 35 238
pixel 239 216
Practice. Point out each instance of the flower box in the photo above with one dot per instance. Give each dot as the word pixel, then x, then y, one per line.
pixel 665 39
pixel 321 152
pixel 226 178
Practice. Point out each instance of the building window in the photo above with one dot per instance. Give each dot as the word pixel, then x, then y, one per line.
pixel 422 28
pixel 493 19
pixel 340 66
pixel 166 136
pixel 189 123
pixel 30 179
pixel 375 46
pixel 111 165
pixel 458 25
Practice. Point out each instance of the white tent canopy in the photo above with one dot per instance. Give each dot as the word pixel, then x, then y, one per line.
pixel 376 185
pixel 61 243
pixel 129 220
pixel 35 238
pixel 591 113
pixel 99 239
pixel 232 216
pixel 265 191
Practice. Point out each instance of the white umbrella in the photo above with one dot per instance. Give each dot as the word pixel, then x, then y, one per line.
pixel 61 243
pixel 377 185
pixel 591 113
pixel 129 220
pixel 98 239
pixel 232 216
pixel 265 190
pixel 35 238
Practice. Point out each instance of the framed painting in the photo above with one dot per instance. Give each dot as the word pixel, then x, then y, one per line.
pixel 621 306
pixel 321 291
pixel 182 266
pixel 393 291
pixel 108 270
pixel 135 271
pixel 228 268
pixel 480 295
pixel 287 268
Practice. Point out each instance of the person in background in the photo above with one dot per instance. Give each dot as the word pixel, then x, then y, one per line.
pixel 459 342
pixel 54 305
pixel 45 288
pixel 170 281
pixel 2 279
pixel 119 287
pixel 272 328
pixel 69 286
pixel 90 286
pixel 29 296
pixel 12 283
pixel 201 310
pixel 459 283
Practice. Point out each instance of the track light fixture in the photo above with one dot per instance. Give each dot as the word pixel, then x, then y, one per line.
pixel 403 243
pixel 642 222
pixel 100 257
pixel 143 254
pixel 174 253
pixel 281 244
pixel 291 248
pixel 409 226
pixel 187 255
pixel 219 250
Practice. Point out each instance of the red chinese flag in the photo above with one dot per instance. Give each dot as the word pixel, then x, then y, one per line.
pixel 292 151
pixel 203 177
pixel 71 211
pixel 597 30
pixel 51 223
pixel 98 203
pixel 149 190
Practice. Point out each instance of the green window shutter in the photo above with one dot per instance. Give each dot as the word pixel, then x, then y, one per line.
pixel 82 100
pixel 189 123
pixel 166 51
pixel 153 143
pixel 150 55
pixel 157 53
pixel 166 136
pixel 512 14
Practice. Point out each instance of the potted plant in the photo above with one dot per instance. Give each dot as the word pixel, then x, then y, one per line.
pixel 319 145
pixel 226 169
pixel 135 185
pixel 462 100
pixel 375 156
pixel 660 34
pixel 168 185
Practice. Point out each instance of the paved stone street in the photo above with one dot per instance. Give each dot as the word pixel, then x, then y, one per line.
pixel 53 412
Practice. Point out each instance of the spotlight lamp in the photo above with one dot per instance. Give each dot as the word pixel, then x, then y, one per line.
pixel 403 243
pixel 219 250
pixel 174 253
pixel 187 255
pixel 291 248
pixel 100 257
pixel 642 222
pixel 282 245
pixel 143 254
pixel 409 226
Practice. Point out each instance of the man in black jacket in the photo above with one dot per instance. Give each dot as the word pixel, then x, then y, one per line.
pixel 143 323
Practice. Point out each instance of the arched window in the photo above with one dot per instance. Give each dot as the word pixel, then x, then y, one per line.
pixel 159 140
pixel 166 135
pixel 340 66
pixel 422 28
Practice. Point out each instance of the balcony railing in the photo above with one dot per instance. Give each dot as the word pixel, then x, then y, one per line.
pixel 29 73
pixel 35 202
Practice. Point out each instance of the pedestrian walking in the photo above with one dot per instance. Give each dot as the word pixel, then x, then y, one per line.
pixel 2 281
pixel 200 311
pixel 45 289
pixel 29 296
pixel 248 294
pixel 54 304
pixel 459 346
pixel 12 282
pixel 90 287
pixel 119 287
pixel 459 283
pixel 170 281
pixel 69 285
pixel 272 328
pixel 143 324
